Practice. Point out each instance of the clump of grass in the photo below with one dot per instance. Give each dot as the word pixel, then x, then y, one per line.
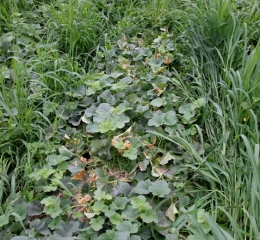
pixel 227 77
pixel 77 26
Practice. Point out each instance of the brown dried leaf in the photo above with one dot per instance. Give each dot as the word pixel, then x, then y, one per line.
pixel 79 176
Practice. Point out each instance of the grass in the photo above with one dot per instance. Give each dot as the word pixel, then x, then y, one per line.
pixel 227 76
pixel 53 52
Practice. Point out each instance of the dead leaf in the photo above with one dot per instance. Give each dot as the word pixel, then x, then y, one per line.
pixel 171 212
pixel 167 60
pixel 79 176
pixel 83 160
pixel 127 144
pixel 89 215
pixel 157 55
pixel 84 199
pixel 151 146
pixel 75 163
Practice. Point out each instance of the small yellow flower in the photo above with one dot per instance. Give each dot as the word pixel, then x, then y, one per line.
pixel 244 119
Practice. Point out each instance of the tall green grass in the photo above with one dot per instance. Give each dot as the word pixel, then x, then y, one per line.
pixel 226 63
pixel 77 26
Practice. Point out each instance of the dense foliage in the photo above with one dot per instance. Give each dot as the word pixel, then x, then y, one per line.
pixel 129 119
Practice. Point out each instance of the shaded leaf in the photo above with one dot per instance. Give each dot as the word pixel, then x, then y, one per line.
pixel 130 213
pixel 67 229
pixel 142 187
pixel 40 226
pixel 108 235
pixel 34 209
pixel 123 188
pixel 21 211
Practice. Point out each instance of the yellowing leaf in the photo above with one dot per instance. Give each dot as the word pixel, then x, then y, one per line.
pixel 171 212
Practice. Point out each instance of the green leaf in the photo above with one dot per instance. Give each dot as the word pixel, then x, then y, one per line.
pixel 127 227
pixel 166 158
pixel 201 216
pixel 4 219
pixel 126 80
pixel 77 91
pixel 119 121
pixel 169 118
pixel 193 237
pixel 67 229
pixel 23 238
pixel 119 203
pixel 97 223
pixel 158 102
pixel 49 107
pixel 140 203
pixel 65 152
pixel 34 209
pixel 142 108
pixel 157 120
pixel 119 144
pixel 54 159
pixel 171 237
pixel 149 215
pixel 184 201
pixel 145 233
pixel 55 223
pixel 60 238
pixel 40 226
pixel 122 235
pixel 155 62
pixel 108 235
pixel 116 75
pixel 130 153
pixel 101 147
pixel 45 173
pixel 106 126
pixel 116 219
pixel 142 187
pixel 159 188
pixel 135 237
pixel 123 188
pixel 130 213
pixel 52 206
pixel 21 211
pixel 99 206
pixel 101 195
pixel 187 111
pixel 104 108
pixel 121 108
pixel 198 103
